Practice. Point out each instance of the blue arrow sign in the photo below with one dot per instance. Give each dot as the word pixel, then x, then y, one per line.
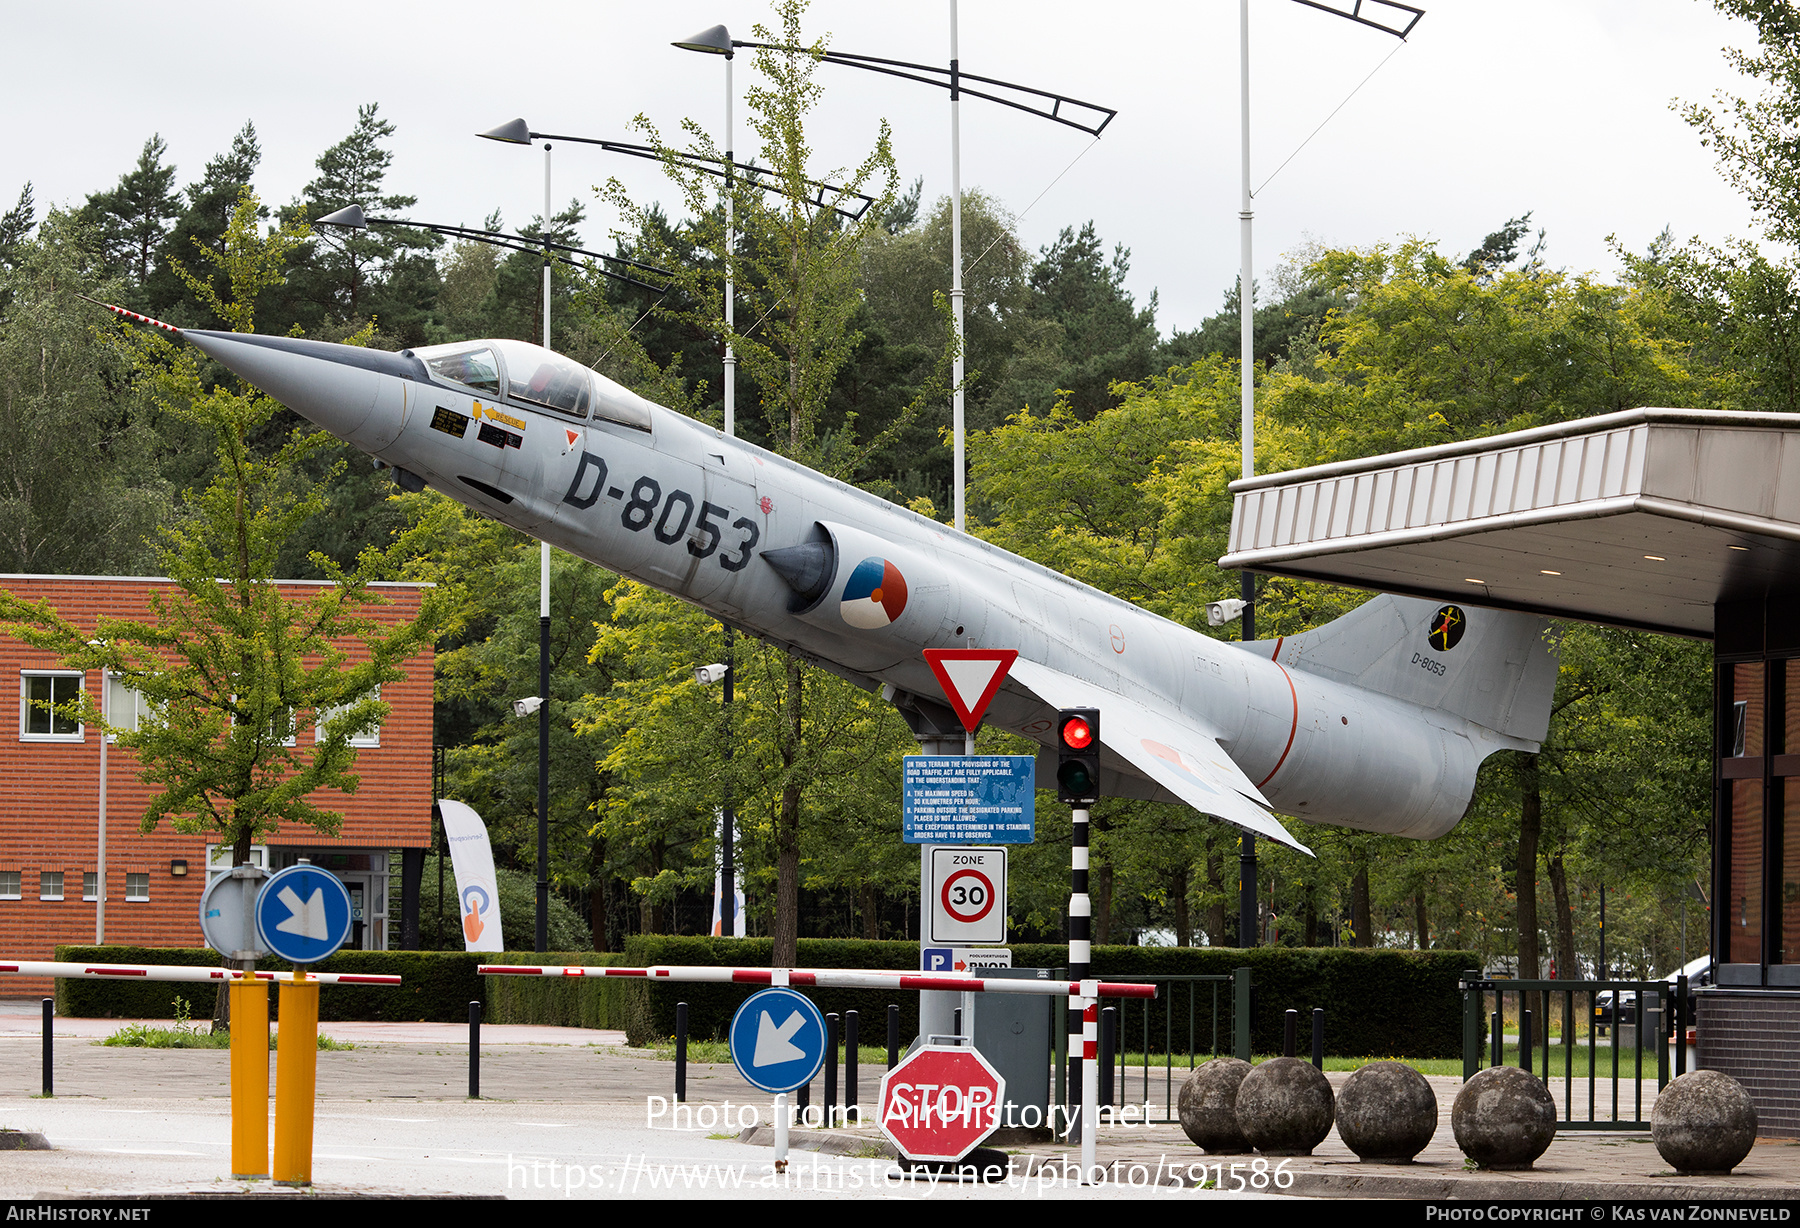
pixel 778 1040
pixel 303 914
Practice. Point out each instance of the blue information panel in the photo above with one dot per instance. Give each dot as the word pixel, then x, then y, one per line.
pixel 778 1040
pixel 303 914
pixel 969 799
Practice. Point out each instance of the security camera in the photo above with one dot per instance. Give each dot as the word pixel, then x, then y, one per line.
pixel 706 675
pixel 1218 613
pixel 525 707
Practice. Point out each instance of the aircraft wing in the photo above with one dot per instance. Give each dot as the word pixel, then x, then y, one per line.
pixel 1186 762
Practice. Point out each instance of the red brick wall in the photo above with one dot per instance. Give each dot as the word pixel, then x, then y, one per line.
pixel 49 794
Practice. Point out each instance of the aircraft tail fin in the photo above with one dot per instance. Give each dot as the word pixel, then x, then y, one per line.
pixel 1496 668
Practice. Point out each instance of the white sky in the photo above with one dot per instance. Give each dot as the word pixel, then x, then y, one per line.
pixel 1494 107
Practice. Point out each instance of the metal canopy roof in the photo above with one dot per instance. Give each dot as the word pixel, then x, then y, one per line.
pixel 1645 518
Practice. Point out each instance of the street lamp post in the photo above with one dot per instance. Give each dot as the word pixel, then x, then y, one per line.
pixel 716 41
pixel 1247 911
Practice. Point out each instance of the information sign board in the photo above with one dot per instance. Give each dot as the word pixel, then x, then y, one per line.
pixel 969 799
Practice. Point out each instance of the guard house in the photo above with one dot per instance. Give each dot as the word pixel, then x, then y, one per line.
pixel 1681 521
pixel 53 808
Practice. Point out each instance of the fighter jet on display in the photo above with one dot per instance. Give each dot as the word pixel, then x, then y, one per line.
pixel 1376 721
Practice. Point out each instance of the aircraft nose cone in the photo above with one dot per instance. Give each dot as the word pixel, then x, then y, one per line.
pixel 334 386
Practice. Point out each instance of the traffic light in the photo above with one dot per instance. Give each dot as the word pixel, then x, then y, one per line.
pixel 1078 755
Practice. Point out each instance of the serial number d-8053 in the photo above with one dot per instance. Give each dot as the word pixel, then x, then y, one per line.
pixel 669 518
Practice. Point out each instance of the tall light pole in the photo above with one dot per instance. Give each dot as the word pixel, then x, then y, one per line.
pixel 1042 103
pixel 1247 911
pixel 509 133
pixel 352 217
pixel 716 40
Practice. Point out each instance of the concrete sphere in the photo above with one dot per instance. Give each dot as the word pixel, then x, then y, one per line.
pixel 1386 1113
pixel 1284 1107
pixel 1503 1118
pixel 1704 1124
pixel 1208 1106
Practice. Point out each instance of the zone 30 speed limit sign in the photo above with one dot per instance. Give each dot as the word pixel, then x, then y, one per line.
pixel 968 896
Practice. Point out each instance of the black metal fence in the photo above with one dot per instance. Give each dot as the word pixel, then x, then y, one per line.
pixel 1628 1025
pixel 1148 1045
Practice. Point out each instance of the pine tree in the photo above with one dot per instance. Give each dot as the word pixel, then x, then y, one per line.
pixel 134 217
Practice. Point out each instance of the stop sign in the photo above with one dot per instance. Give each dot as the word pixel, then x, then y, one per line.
pixel 940 1102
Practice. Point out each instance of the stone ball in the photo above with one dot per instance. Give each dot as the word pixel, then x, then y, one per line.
pixel 1284 1107
pixel 1704 1123
pixel 1208 1106
pixel 1386 1113
pixel 1503 1118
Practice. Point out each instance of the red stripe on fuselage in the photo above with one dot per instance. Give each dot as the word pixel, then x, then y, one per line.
pixel 1292 728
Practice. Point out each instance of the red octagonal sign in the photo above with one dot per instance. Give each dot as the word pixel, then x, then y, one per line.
pixel 940 1102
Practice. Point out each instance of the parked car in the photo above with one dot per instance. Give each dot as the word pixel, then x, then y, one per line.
pixel 1608 1014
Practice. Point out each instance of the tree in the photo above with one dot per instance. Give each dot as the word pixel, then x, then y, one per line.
pixel 80 487
pixel 228 662
pixel 795 268
pixel 1093 332
pixel 350 274
pixel 134 216
pixel 211 203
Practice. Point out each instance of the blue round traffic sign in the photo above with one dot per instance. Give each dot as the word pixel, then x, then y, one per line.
pixel 303 914
pixel 778 1040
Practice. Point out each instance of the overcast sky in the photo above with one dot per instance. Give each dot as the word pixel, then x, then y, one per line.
pixel 1492 108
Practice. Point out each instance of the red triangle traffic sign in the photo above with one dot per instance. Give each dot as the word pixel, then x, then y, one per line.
pixel 971 677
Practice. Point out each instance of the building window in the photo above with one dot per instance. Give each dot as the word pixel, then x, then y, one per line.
pixel 9 884
pixel 218 859
pixel 368 736
pixel 39 695
pixel 125 707
pixel 137 888
pixel 50 885
pixel 90 885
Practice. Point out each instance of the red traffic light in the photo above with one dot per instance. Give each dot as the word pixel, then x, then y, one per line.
pixel 1077 734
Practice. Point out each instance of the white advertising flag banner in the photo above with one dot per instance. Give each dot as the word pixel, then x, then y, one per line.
pixel 477 890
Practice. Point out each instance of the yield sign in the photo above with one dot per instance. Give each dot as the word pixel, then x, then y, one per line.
pixel 970 678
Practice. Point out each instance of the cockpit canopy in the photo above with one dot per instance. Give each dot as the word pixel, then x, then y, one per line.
pixel 532 375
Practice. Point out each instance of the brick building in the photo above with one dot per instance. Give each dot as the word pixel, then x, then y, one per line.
pixel 50 800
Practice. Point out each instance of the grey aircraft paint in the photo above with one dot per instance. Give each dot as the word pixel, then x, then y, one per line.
pixel 1375 721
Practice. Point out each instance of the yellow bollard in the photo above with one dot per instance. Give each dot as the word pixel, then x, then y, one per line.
pixel 250 1078
pixel 296 1074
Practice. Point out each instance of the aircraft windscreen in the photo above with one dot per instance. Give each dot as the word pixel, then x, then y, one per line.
pixel 542 377
pixel 473 368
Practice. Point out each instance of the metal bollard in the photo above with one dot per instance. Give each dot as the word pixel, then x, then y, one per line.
pixel 803 1101
pixel 850 1056
pixel 681 1053
pixel 893 1035
pixel 474 1050
pixel 1319 1038
pixel 1290 1027
pixel 49 1052
pixel 1525 1040
pixel 1109 1047
pixel 831 1072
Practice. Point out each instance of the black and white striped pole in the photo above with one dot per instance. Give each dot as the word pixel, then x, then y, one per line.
pixel 1078 783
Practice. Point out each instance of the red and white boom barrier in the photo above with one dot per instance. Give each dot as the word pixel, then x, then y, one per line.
pixel 177 972
pixel 833 978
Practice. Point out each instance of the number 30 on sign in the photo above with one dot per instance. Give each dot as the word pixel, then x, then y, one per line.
pixel 968 896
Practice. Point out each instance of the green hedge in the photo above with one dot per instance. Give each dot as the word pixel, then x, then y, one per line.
pixel 1377 1003
pixel 575 1002
pixel 436 986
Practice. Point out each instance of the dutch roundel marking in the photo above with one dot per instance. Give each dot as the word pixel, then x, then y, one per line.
pixel 1447 627
pixel 874 595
